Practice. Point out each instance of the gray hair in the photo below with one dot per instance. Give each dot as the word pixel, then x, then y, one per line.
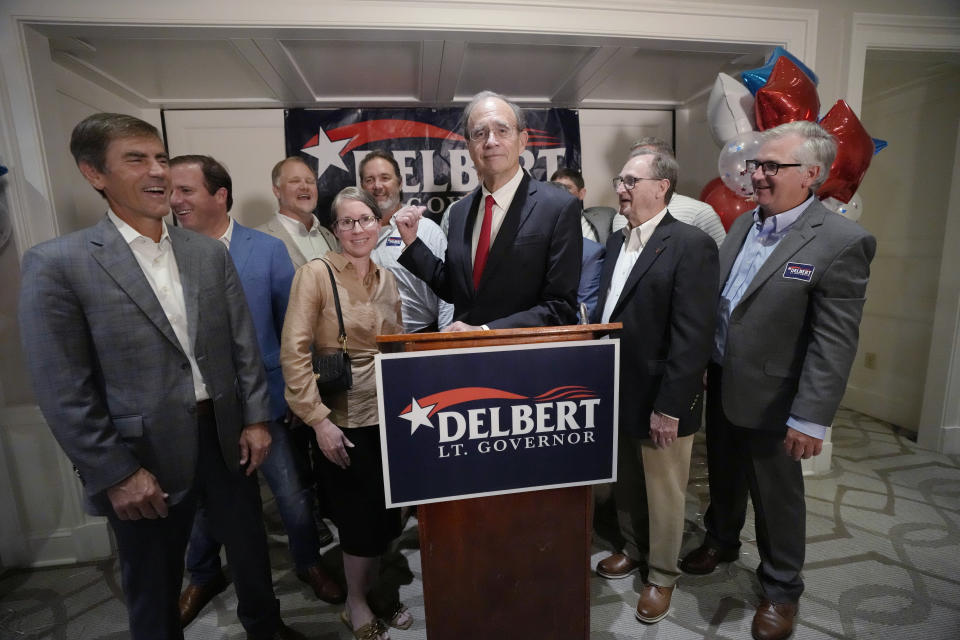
pixel 664 167
pixel 652 143
pixel 819 147
pixel 354 193
pixel 483 95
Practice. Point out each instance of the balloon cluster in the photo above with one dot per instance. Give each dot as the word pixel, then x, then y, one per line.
pixel 782 90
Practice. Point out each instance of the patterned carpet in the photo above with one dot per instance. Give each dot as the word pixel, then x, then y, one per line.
pixel 883 561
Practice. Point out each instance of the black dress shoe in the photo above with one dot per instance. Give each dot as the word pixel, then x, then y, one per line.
pixel 704 559
pixel 324 587
pixel 196 596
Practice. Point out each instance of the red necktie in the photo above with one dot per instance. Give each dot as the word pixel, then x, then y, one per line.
pixel 483 244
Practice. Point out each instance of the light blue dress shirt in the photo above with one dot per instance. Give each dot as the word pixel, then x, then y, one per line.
pixel 761 240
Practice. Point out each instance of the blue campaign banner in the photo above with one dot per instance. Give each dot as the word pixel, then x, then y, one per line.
pixel 428 144
pixel 465 423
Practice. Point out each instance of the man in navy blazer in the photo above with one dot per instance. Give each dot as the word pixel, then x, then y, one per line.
pixel 659 280
pixel 514 244
pixel 201 199
pixel 146 367
pixel 793 279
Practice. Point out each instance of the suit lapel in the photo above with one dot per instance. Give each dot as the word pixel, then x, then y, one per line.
pixel 520 209
pixel 651 251
pixel 609 262
pixel 733 244
pixel 466 242
pixel 241 244
pixel 802 233
pixel 296 256
pixel 188 265
pixel 114 255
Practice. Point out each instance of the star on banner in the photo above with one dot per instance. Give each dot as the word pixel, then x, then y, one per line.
pixel 418 416
pixel 327 152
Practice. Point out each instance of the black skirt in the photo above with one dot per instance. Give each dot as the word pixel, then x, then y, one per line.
pixel 354 496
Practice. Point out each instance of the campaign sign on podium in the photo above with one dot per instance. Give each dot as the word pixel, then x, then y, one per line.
pixel 465 423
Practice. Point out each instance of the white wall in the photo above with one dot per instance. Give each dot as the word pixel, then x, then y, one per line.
pixel 905 195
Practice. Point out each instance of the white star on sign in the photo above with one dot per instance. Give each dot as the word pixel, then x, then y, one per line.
pixel 418 415
pixel 327 152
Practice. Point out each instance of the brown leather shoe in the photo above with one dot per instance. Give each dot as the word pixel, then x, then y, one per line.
pixel 654 603
pixel 773 620
pixel 324 587
pixel 616 566
pixel 704 559
pixel 196 596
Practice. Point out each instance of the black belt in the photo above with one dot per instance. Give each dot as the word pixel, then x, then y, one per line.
pixel 205 408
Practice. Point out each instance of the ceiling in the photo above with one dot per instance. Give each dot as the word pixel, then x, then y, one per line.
pixel 211 67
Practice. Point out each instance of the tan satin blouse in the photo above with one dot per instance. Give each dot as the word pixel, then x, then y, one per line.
pixel 370 307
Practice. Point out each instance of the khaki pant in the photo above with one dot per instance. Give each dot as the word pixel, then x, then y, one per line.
pixel 650 493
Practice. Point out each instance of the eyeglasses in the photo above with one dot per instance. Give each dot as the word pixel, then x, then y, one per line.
pixel 770 168
pixel 629 182
pixel 365 222
pixel 501 132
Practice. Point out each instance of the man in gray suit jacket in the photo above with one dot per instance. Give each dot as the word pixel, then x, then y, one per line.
pixel 145 364
pixel 793 277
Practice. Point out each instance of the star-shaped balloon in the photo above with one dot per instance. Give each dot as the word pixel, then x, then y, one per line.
pixel 789 95
pixel 854 152
pixel 756 78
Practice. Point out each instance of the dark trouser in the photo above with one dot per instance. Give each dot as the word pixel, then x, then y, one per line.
pixel 151 551
pixel 288 474
pixel 742 461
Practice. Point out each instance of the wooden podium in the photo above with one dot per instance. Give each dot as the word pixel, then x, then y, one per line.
pixel 509 566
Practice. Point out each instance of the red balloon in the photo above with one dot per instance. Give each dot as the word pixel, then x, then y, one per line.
pixel 789 95
pixel 854 152
pixel 725 202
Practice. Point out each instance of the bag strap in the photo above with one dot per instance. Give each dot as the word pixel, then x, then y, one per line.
pixel 342 338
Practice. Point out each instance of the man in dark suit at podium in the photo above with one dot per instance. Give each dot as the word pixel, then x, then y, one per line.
pixel 514 245
pixel 660 280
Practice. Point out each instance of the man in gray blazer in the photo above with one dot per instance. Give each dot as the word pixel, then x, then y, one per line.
pixel 145 364
pixel 793 277
pixel 295 186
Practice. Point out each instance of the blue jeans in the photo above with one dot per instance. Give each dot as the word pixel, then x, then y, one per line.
pixel 287 472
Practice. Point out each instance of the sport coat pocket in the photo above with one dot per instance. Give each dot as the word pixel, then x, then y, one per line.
pixel 128 426
pixel 777 370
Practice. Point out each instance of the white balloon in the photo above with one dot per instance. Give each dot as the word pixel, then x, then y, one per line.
pixel 732 162
pixel 729 109
pixel 851 210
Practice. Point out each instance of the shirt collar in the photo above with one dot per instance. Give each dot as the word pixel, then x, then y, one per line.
pixel 228 234
pixel 504 195
pixel 779 223
pixel 295 226
pixel 638 237
pixel 130 234
pixel 340 262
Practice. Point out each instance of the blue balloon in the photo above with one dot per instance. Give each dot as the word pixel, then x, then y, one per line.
pixel 754 79
pixel 3 169
pixel 878 145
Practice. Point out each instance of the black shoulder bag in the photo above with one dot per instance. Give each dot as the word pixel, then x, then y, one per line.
pixel 331 367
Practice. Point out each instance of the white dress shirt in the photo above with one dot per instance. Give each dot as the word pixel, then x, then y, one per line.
pixel 502 197
pixel 636 239
pixel 159 266
pixel 227 235
pixel 310 241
